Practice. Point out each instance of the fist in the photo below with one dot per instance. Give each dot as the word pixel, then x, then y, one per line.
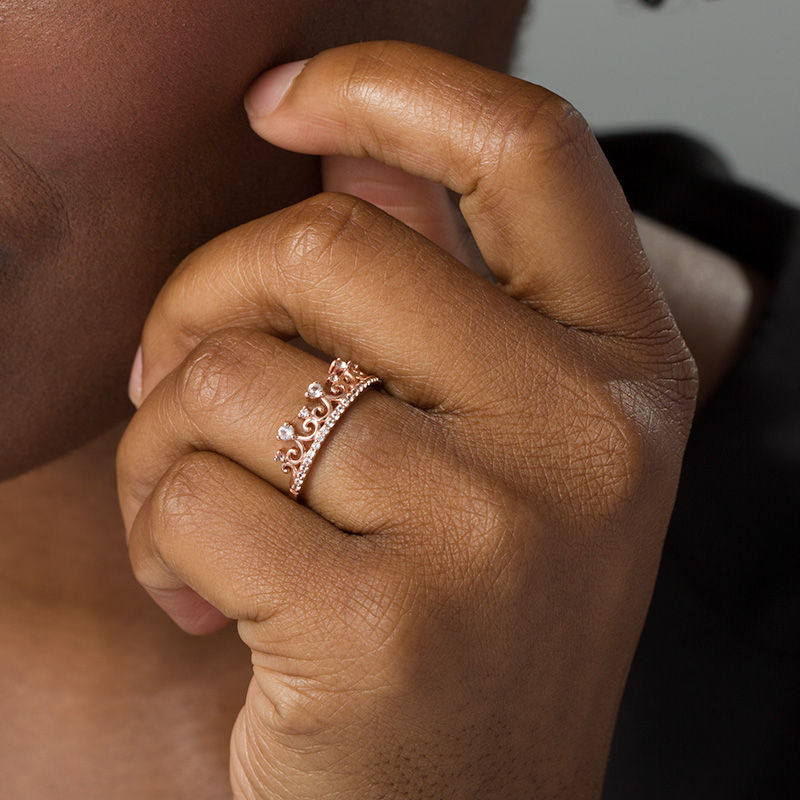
pixel 451 608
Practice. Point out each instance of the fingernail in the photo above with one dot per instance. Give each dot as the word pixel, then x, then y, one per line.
pixel 135 381
pixel 267 91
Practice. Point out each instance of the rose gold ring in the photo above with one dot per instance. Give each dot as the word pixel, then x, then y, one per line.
pixel 345 382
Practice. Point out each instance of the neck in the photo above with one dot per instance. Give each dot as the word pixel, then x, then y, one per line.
pixel 61 537
pixel 85 651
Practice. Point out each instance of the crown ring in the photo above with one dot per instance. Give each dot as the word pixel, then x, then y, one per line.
pixel 305 435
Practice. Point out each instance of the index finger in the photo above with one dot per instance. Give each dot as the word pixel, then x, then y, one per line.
pixel 542 202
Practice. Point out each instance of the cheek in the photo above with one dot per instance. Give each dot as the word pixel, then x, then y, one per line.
pixel 106 80
pixel 127 119
pixel 123 145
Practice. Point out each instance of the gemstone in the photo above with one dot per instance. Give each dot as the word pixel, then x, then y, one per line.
pixel 304 412
pixel 281 456
pixel 286 432
pixel 315 390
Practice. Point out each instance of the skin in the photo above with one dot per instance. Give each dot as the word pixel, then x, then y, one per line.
pixel 71 166
pixel 695 278
pixel 442 650
pixel 94 214
pixel 114 168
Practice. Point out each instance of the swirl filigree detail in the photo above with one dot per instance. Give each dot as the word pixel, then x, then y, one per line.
pixel 313 422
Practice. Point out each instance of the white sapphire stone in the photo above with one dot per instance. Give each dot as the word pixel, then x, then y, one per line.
pixel 315 390
pixel 286 432
pixel 304 412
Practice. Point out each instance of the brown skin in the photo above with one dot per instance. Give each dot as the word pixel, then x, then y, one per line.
pixel 695 278
pixel 123 146
pixel 136 705
pixel 112 168
pixel 473 638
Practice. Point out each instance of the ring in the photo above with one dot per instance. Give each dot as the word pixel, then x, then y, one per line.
pixel 345 382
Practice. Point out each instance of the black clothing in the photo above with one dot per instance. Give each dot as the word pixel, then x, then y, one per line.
pixel 712 705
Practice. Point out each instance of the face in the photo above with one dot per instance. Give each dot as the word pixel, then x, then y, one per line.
pixel 123 146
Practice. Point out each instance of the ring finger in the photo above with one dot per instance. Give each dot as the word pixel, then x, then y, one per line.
pixel 233 393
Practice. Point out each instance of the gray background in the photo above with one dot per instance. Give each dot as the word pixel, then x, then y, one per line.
pixel 728 70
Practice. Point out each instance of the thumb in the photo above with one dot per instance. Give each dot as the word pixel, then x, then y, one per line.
pixel 419 203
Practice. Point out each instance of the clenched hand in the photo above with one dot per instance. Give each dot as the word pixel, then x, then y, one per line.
pixel 451 609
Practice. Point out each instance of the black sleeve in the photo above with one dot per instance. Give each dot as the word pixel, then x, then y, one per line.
pixel 712 703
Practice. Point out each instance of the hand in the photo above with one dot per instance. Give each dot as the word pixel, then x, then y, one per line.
pixel 452 610
pixel 716 301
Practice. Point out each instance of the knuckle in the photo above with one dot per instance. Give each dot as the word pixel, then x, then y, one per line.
pixel 586 447
pixel 316 231
pixel 364 69
pixel 492 513
pixel 532 126
pixel 558 125
pixel 179 495
pixel 174 509
pixel 216 373
pixel 180 503
pixel 481 521
pixel 672 372
pixel 681 383
pixel 297 706
pixel 611 450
